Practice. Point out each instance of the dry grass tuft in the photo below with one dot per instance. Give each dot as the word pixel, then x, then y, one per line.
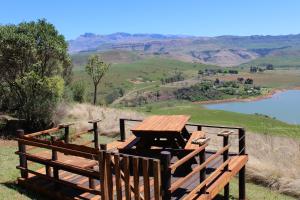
pixel 274 162
pixel 82 113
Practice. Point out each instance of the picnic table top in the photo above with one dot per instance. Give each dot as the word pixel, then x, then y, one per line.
pixel 162 123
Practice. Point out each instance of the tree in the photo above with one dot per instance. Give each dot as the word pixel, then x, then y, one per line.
pixel 240 79
pixel 34 64
pixel 249 81
pixel 269 67
pixel 96 68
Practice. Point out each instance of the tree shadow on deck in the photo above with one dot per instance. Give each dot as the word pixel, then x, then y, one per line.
pixel 22 191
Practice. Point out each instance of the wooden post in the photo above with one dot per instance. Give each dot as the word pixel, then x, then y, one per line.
pixel 91 183
pixel 225 158
pixel 122 130
pixel 67 131
pixel 54 158
pixel 166 174
pixel 202 171
pixel 96 132
pixel 242 172
pixel 199 128
pixel 22 150
pixel 67 134
pixel 103 146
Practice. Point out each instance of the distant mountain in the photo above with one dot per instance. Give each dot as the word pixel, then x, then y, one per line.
pixel 222 50
pixel 90 41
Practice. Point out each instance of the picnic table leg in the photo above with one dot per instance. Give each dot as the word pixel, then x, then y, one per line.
pixel 186 135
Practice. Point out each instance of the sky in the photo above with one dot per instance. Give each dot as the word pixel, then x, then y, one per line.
pixel 189 17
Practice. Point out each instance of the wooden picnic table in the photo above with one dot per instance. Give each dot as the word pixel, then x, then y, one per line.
pixel 167 129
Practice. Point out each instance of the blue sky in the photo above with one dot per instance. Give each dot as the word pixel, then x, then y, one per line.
pixel 192 17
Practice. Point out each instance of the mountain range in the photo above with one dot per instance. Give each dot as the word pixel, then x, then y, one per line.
pixel 221 50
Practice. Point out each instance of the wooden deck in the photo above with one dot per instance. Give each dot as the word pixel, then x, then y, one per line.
pixel 126 169
pixel 47 187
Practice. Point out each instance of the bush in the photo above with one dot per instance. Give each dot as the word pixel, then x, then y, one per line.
pixel 79 91
pixel 42 95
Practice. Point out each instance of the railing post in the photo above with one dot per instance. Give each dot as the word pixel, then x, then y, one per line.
pixel 96 132
pixel 54 158
pixel 22 156
pixel 202 171
pixel 67 131
pixel 199 128
pixel 242 172
pixel 122 130
pixel 166 174
pixel 67 134
pixel 225 158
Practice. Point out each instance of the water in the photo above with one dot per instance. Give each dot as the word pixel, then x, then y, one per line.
pixel 284 106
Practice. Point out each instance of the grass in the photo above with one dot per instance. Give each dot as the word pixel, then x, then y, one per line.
pixel 199 114
pixel 255 192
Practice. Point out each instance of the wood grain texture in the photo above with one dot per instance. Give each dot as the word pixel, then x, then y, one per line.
pixel 194 135
pixel 162 123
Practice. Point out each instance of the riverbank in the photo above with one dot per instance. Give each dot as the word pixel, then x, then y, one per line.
pixel 249 99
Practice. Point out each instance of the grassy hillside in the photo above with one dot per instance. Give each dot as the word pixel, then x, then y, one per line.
pixel 277 61
pixel 138 74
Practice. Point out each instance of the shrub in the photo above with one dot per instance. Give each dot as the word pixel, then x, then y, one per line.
pixel 79 91
pixel 42 95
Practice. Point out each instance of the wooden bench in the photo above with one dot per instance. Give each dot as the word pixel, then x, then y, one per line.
pixel 194 136
pixel 131 141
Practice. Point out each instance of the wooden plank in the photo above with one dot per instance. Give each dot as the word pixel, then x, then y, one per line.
pixel 162 123
pixel 157 180
pixel 194 135
pixel 109 176
pixel 58 148
pixel 127 177
pixel 77 147
pixel 103 187
pixel 182 180
pixel 128 143
pixel 69 184
pixel 145 164
pixel 136 177
pixel 43 132
pixel 235 165
pixel 211 177
pixel 118 176
pixel 69 159
pixel 187 157
pixel 63 166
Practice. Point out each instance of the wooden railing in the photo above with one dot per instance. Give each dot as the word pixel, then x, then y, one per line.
pixel 168 169
pixel 67 137
pixel 120 176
